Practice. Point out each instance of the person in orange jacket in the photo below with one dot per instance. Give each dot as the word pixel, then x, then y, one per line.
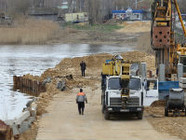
pixel 81 98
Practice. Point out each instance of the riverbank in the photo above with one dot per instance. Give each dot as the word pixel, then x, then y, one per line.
pixel 110 33
pixel 42 32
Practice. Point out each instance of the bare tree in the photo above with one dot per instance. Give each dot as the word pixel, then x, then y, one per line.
pixel 18 6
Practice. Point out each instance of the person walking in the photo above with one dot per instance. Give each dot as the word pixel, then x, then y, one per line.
pixel 80 100
pixel 83 68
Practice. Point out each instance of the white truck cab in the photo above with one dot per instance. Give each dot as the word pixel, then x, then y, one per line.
pixel 112 102
pixel 151 92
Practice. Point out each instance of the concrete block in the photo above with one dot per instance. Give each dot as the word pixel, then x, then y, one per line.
pixel 22 117
pixel 9 122
pixel 180 70
pixel 33 106
pixel 182 80
pixel 182 85
pixel 26 124
pixel 61 85
pixel 31 120
pixel 143 70
pixel 24 127
pixel 15 129
pixel 162 72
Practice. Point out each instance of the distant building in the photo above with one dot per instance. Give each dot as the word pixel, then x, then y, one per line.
pixel 130 14
pixel 76 17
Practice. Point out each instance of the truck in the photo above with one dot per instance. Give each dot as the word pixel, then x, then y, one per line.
pixel 121 92
pixel 112 101
pixel 124 90
pixel 175 102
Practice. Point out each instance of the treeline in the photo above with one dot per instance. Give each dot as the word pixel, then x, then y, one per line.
pixel 98 9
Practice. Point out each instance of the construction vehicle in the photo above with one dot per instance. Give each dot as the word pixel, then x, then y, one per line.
pixel 175 102
pixel 167 51
pixel 121 92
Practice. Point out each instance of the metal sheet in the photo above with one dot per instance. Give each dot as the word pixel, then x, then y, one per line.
pixel 161 37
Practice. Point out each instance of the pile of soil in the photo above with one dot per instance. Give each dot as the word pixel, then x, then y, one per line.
pixel 174 126
pixel 144 43
pixel 31 77
pixel 160 103
pixel 135 27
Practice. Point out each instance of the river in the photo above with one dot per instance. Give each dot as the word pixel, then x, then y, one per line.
pixel 20 60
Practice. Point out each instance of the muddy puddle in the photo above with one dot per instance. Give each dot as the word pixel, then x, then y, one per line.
pixel 20 60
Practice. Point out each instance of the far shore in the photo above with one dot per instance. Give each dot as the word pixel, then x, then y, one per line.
pixel 44 32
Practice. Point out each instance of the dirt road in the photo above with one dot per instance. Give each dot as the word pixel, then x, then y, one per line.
pixel 62 122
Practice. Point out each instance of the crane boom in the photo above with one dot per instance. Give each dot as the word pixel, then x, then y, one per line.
pixel 180 17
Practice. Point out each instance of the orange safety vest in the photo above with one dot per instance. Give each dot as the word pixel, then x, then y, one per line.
pixel 81 94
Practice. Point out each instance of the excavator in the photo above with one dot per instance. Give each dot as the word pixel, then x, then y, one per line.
pixel 167 50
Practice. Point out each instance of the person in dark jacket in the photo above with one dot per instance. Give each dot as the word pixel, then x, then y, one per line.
pixel 83 68
pixel 80 100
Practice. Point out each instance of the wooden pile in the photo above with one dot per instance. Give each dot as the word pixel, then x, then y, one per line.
pixel 28 86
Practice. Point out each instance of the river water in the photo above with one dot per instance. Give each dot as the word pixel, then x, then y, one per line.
pixel 20 60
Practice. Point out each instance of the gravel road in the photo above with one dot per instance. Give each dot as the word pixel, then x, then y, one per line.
pixel 62 122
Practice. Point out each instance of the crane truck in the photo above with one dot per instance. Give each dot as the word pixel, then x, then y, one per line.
pixel 121 92
pixel 167 51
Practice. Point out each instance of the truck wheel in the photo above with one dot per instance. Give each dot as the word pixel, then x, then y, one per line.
pixel 140 115
pixel 166 112
pixel 107 115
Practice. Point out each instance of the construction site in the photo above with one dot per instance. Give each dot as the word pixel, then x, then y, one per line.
pixel 133 75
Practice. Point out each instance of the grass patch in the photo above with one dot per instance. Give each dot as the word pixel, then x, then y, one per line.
pixel 95 27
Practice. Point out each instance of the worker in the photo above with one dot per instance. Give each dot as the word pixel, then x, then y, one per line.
pixel 83 68
pixel 80 100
